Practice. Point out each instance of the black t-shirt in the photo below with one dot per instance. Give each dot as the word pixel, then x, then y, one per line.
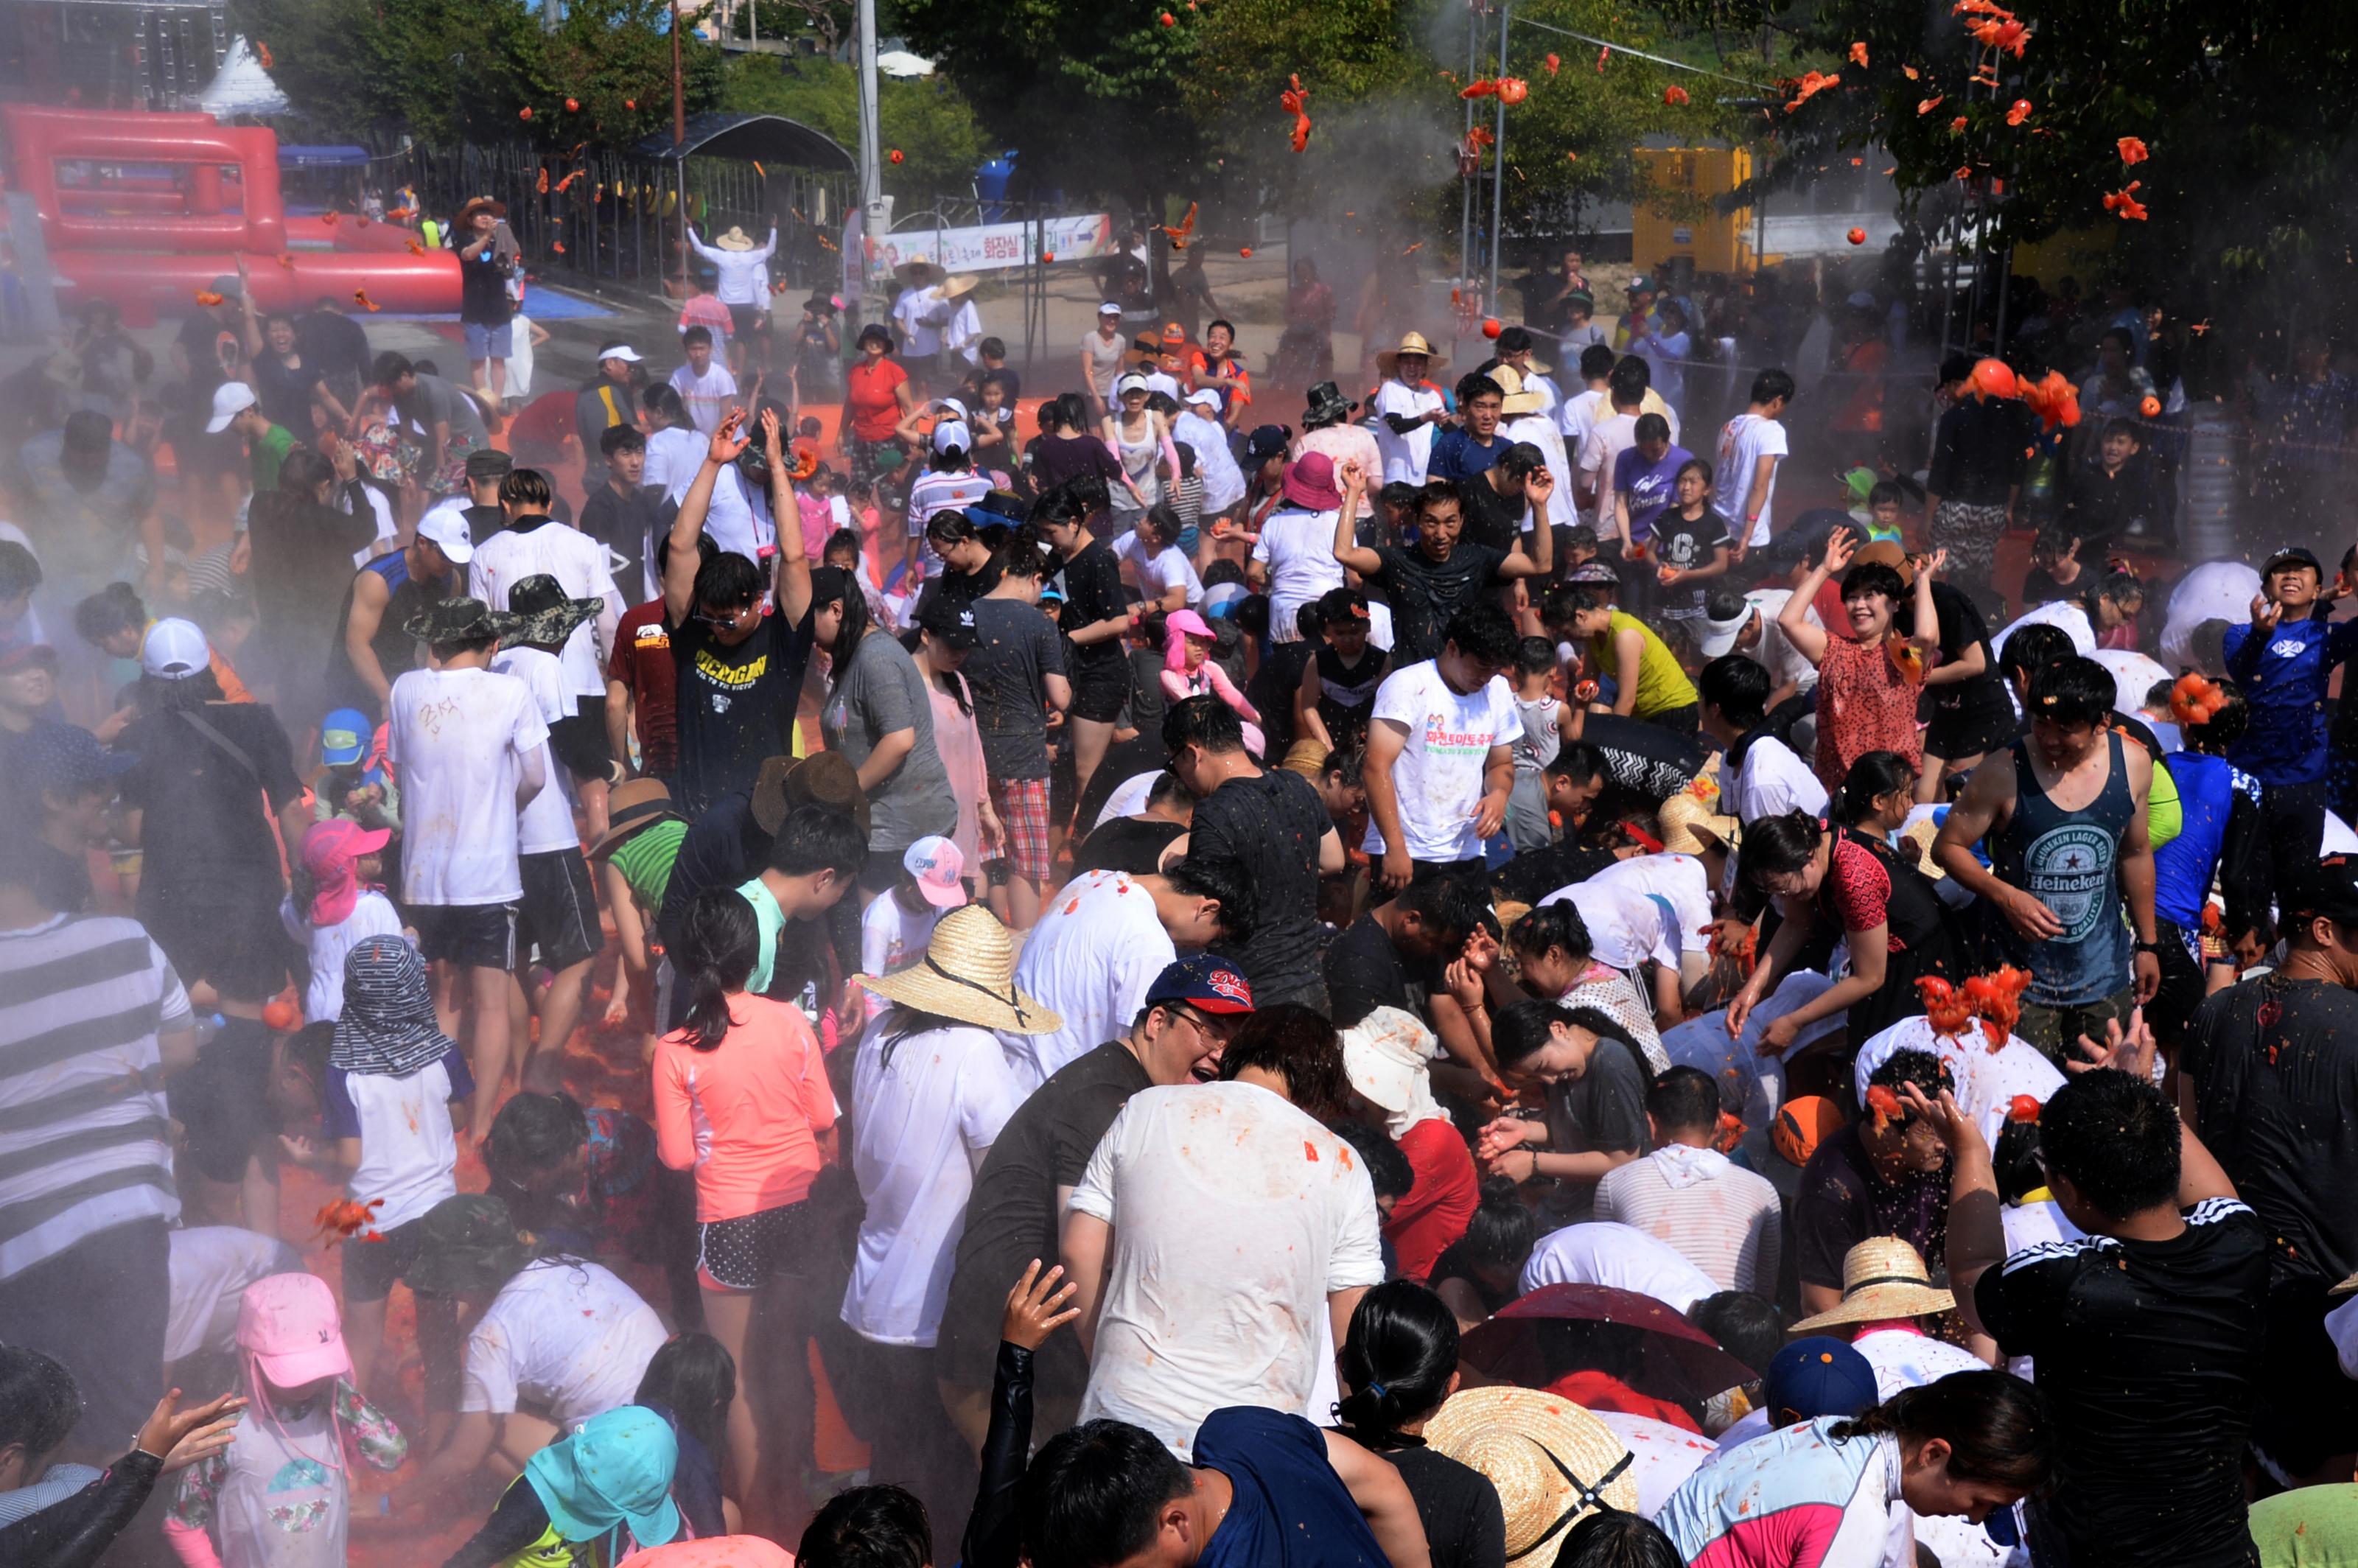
pixel 2149 1354
pixel 1131 844
pixel 1006 673
pixel 1491 519
pixel 1601 1111
pixel 1093 593
pixel 1980 450
pixel 960 588
pixel 285 394
pixel 1272 686
pixel 1425 593
pixel 736 706
pixel 1011 1217
pixel 625 524
pixel 1270 826
pixel 1365 971
pixel 302 565
pixel 1843 1201
pixel 333 344
pixel 1463 1523
pixel 1962 629
pixel 2278 1108
pixel 1053 460
pixel 204 829
pixel 2040 587
pixel 722 849
pixel 1686 544
pixel 210 348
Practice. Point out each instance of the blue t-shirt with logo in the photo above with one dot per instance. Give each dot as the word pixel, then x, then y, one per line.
pixel 1291 1509
pixel 1651 485
pixel 2285 676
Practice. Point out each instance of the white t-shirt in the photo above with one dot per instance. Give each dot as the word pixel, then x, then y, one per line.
pixel 1609 436
pixel 1439 776
pixel 409 1154
pixel 1662 1455
pixel 921 314
pixel 1298 548
pixel 1405 456
pixel 1599 1252
pixel 1679 879
pixel 1743 442
pixel 2133 675
pixel 675 456
pixel 737 519
pixel 564 1332
pixel 1197 1317
pixel 461 739
pixel 925 1109
pixel 1902 1359
pixel 1627 928
pixel 1576 417
pixel 1774 781
pixel 578 564
pixel 1986 1080
pixel 545 823
pixel 891 937
pixel 1541 432
pixel 211 1265
pixel 1097 947
pixel 1163 570
pixel 373 915
pixel 1775 651
pixel 2215 590
pixel 2063 612
pixel 1129 797
pixel 388 530
pixel 708 396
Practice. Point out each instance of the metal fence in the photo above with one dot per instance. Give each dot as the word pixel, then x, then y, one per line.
pixel 612 220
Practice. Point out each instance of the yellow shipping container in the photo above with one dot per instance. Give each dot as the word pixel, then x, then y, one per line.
pixel 1716 241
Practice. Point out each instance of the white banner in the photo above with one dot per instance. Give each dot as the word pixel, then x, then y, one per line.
pixel 994 247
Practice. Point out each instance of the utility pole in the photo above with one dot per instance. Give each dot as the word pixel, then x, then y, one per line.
pixel 679 145
pixel 875 219
pixel 1498 168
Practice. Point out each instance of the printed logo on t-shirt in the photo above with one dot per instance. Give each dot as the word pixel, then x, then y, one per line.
pixel 1440 737
pixel 2290 648
pixel 653 635
pixel 732 677
pixel 2068 869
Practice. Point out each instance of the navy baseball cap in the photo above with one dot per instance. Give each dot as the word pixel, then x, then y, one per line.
pixel 1266 441
pixel 1818 1375
pixel 66 757
pixel 1204 982
pixel 2293 555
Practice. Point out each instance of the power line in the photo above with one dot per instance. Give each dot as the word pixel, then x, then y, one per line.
pixel 1639 54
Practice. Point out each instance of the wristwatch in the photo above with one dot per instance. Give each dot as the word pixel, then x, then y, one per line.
pixel 2152 948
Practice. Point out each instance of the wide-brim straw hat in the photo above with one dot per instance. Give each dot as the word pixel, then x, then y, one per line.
pixel 917 272
pixel 480 204
pixel 1883 1277
pixel 1413 343
pixel 1514 400
pixel 1551 1462
pixel 968 974
pixel 1921 834
pixel 959 284
pixel 735 239
pixel 1686 821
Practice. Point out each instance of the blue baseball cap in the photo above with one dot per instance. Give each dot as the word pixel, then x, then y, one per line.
pixel 1818 1375
pixel 68 757
pixel 1204 982
pixel 344 737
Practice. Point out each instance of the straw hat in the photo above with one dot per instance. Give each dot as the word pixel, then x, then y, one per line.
pixel 1920 835
pixel 918 272
pixel 1882 1277
pixel 632 807
pixel 1413 343
pixel 733 239
pixel 1551 1461
pixel 1686 822
pixel 959 284
pixel 968 974
pixel 1515 400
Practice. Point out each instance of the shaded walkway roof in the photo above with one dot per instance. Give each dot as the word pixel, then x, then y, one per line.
pixel 772 138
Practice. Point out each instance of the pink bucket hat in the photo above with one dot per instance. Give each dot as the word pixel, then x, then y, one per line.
pixel 1310 481
pixel 287 1325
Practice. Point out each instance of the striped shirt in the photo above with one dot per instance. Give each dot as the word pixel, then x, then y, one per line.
pixel 1723 1219
pixel 83 1141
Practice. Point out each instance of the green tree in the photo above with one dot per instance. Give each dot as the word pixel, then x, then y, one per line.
pixel 928 120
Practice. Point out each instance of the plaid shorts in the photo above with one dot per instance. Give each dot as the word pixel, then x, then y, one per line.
pixel 1022 807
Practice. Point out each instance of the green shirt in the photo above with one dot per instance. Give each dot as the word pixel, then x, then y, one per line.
pixel 269 453
pixel 772 922
pixel 645 859
pixel 2312 1527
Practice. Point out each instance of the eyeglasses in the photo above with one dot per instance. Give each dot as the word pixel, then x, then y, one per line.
pixel 737 617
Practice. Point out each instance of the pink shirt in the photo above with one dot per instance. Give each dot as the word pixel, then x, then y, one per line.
pixel 746 1115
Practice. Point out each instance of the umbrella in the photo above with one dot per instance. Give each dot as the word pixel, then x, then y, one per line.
pixel 1681 1362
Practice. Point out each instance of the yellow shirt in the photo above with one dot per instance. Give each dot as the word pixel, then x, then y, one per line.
pixel 1661 683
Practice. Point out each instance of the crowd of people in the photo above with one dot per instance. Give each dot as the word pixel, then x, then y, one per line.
pixel 1107 981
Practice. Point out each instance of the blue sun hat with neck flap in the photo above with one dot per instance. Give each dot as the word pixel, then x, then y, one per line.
pixel 616 1471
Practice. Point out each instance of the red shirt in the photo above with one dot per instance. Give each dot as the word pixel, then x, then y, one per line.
pixel 1438 1208
pixel 868 397
pixel 1593 1391
pixel 542 425
pixel 641 662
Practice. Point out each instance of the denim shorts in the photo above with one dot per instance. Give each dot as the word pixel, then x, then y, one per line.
pixel 489 342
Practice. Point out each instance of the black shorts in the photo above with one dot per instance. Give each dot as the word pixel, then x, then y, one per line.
pixel 743 1254
pixel 1099 691
pixel 580 743
pixel 227 937
pixel 1969 731
pixel 747 321
pixel 559 910
pixel 100 1307
pixel 224 1101
pixel 471 935
pixel 372 1267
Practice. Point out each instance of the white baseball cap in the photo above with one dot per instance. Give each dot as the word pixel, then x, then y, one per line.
pixel 1109 309
pixel 622 351
pixel 1204 396
pixel 447 527
pixel 950 433
pixel 174 649
pixel 230 399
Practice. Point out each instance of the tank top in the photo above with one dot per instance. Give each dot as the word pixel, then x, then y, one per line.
pixel 2068 860
pixel 1536 746
pixel 1663 686
pixel 1138 462
pixel 396 649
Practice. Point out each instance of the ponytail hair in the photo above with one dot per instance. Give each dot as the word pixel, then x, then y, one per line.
pixel 1398 1358
pixel 1874 774
pixel 1997 1426
pixel 719 944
